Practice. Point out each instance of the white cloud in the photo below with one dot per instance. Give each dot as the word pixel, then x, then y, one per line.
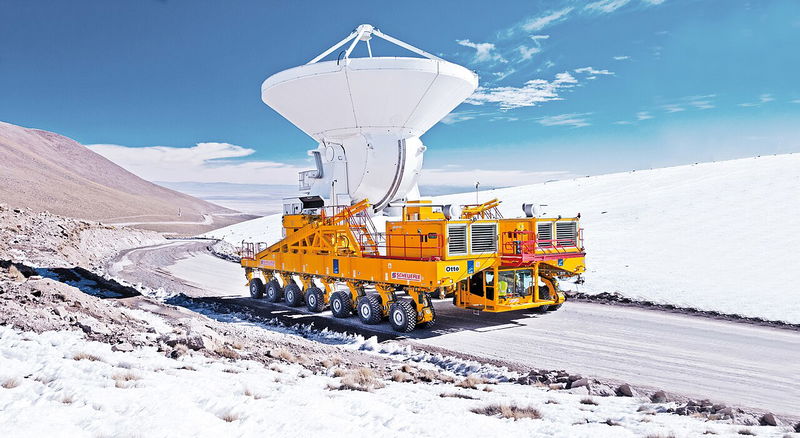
pixel 504 118
pixel 458 116
pixel 688 103
pixel 500 75
pixel 539 23
pixel 528 52
pixel 702 104
pixel 654 2
pixel 205 162
pixel 672 108
pixel 762 99
pixel 592 71
pixel 796 101
pixel 621 58
pixel 483 51
pixel 533 92
pixel 450 176
pixel 549 63
pixel 640 116
pixel 574 120
pixel 606 6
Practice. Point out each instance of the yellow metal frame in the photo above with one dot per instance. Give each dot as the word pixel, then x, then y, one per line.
pixel 466 299
pixel 325 248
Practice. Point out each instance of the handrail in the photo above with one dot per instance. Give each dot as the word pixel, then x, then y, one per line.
pixel 487 210
pixel 514 245
pixel 409 252
pixel 249 250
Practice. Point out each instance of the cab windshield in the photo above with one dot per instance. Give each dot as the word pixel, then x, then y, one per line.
pixel 517 283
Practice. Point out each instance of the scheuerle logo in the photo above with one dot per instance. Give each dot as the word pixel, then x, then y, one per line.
pixel 406 276
pixel 452 268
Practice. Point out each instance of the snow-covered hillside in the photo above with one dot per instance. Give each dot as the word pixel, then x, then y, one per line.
pixel 714 236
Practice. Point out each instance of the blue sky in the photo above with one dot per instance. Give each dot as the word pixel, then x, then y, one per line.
pixel 567 87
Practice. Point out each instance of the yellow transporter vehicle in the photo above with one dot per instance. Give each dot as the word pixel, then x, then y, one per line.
pixel 484 261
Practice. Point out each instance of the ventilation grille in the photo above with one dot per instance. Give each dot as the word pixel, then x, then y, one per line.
pixel 484 238
pixel 544 233
pixel 456 239
pixel 567 233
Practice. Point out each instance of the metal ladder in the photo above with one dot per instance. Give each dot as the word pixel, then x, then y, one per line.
pixel 366 234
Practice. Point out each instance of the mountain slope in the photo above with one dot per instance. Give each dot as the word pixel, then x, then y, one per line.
pixel 42 170
pixel 713 236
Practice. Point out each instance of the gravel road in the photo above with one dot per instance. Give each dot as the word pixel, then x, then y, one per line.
pixel 729 362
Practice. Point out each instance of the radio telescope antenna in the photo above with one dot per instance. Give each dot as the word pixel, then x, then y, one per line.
pixel 367 115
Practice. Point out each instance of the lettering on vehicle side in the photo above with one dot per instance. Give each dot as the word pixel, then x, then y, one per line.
pixel 406 276
pixel 268 263
pixel 452 268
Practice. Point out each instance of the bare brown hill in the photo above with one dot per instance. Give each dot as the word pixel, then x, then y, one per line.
pixel 44 171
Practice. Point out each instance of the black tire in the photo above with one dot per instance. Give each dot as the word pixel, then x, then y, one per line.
pixel 256 288
pixel 403 316
pixel 541 309
pixel 369 309
pixel 274 291
pixel 292 295
pixel 555 307
pixel 544 294
pixel 315 299
pixel 341 304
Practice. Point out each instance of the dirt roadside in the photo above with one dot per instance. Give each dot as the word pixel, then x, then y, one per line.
pixel 52 277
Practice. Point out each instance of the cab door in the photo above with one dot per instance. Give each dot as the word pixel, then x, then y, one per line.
pixel 477 291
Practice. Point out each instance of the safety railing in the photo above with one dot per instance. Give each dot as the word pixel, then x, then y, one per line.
pixel 425 247
pixel 335 214
pixel 525 246
pixel 249 250
pixel 487 210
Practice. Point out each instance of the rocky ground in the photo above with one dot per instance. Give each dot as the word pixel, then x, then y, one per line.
pixel 615 298
pixel 47 240
pixel 52 278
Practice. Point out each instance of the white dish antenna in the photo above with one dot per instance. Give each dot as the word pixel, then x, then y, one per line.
pixel 367 115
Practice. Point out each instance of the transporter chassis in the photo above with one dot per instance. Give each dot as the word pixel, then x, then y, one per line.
pixel 483 261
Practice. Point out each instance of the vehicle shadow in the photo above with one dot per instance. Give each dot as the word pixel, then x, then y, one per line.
pixel 449 320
